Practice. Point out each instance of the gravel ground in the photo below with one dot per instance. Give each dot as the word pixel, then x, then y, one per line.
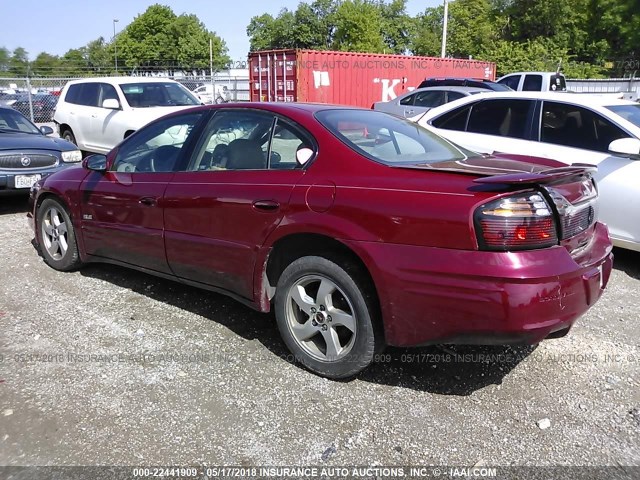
pixel 232 397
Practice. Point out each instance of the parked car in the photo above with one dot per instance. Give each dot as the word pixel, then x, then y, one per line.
pixel 561 126
pixel 464 82
pixel 27 154
pixel 422 99
pixel 360 229
pixel 98 113
pixel 535 81
pixel 8 99
pixel 43 106
pixel 208 95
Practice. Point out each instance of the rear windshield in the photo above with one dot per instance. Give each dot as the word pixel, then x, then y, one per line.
pixel 631 113
pixel 389 139
pixel 557 83
pixel 157 94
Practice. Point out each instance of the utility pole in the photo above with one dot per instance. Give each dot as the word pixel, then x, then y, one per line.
pixel 115 46
pixel 444 29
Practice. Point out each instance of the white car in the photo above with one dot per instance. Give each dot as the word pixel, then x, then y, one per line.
pixel 534 81
pixel 98 113
pixel 208 94
pixel 422 99
pixel 568 127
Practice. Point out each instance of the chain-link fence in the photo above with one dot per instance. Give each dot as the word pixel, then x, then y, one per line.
pixel 36 98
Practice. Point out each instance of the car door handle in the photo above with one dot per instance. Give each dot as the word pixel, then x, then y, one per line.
pixel 409 112
pixel 266 205
pixel 148 201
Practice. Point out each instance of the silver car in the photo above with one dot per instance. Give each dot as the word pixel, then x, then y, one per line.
pixel 422 99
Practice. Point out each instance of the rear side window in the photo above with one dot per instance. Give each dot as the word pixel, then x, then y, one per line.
pixel 453 120
pixel 557 83
pixel 84 94
pixel 429 99
pixel 408 100
pixel 532 83
pixel 507 118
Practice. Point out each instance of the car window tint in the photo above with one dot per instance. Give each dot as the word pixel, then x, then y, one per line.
pixel 429 99
pixel 574 126
pixel 107 92
pixel 88 94
pixel 408 100
pixel 511 81
pixel 157 147
pixel 234 140
pixel 286 142
pixel 453 120
pixel 451 96
pixel 532 83
pixel 507 118
pixel 72 94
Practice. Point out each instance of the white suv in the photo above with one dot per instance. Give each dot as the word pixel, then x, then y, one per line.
pixel 98 113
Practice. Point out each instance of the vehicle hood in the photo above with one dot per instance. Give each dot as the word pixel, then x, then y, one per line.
pixel 25 141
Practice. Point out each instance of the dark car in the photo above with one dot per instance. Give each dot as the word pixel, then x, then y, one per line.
pixel 464 82
pixel 27 154
pixel 43 106
pixel 358 228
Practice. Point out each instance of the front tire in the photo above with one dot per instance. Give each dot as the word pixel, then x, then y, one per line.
pixel 56 236
pixel 326 315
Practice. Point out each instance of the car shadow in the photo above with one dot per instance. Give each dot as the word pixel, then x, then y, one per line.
pixel 627 261
pixel 446 370
pixel 11 204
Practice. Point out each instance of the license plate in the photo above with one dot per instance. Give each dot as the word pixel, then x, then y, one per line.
pixel 26 181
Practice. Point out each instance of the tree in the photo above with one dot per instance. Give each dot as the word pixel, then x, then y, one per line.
pixel 158 39
pixel 358 27
pixel 4 59
pixel 398 27
pixel 19 62
pixel 45 65
pixel 73 63
pixel 428 32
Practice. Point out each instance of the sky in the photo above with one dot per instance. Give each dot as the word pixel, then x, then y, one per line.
pixel 55 27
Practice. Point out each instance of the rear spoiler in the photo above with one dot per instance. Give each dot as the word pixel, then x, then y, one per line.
pixel 544 177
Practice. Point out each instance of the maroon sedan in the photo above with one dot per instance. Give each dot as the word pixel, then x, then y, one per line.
pixel 358 228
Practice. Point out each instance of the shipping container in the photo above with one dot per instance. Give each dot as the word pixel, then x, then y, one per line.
pixel 348 78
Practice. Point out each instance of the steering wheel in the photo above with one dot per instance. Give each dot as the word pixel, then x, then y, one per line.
pixel 126 167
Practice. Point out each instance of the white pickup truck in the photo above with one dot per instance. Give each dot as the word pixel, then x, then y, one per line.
pixel 535 81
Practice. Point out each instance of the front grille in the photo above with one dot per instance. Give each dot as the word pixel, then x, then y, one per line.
pixel 577 220
pixel 16 161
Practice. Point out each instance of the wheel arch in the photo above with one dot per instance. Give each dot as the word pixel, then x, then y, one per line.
pixel 293 246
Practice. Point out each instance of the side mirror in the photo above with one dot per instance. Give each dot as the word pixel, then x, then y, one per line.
pixel 96 163
pixel 626 147
pixel 46 130
pixel 111 103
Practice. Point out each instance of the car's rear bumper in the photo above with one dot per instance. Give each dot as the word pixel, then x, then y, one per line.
pixel 434 295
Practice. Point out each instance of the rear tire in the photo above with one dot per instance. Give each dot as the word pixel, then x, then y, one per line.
pixel 68 136
pixel 57 237
pixel 326 315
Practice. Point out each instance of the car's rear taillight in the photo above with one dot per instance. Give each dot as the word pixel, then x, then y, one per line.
pixel 521 221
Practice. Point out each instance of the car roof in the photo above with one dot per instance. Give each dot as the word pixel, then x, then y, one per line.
pixel 451 88
pixel 577 98
pixel 535 73
pixel 123 80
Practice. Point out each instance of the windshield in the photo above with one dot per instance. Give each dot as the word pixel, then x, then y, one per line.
pixel 631 113
pixel 389 139
pixel 13 121
pixel 157 94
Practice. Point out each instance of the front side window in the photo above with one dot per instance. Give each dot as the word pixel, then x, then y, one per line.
pixel 408 100
pixel 107 92
pixel 578 127
pixel 157 94
pixel 511 81
pixel 156 148
pixel 507 118
pixel 388 139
